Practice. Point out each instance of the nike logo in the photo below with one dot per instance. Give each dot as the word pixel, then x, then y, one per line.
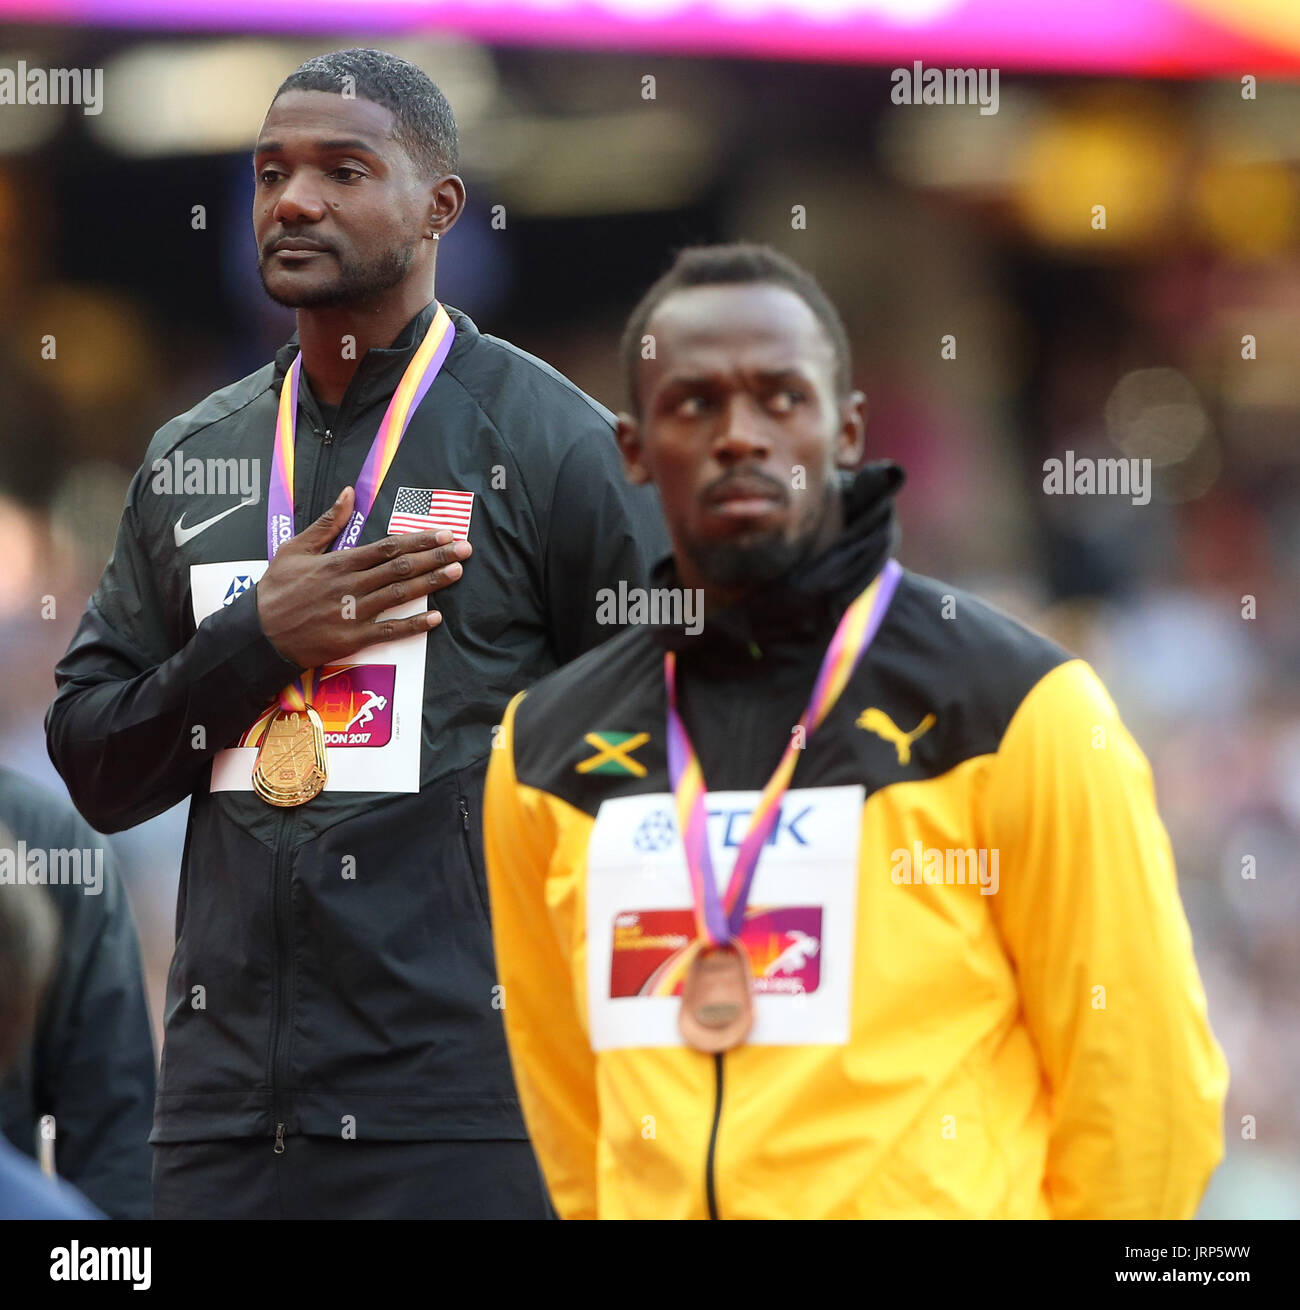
pixel 184 534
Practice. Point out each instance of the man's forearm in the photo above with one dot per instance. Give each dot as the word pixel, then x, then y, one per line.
pixel 131 742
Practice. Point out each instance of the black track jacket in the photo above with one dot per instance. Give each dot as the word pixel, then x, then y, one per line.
pixel 91 1061
pixel 333 972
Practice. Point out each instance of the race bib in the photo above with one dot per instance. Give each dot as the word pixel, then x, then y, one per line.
pixel 798 929
pixel 370 703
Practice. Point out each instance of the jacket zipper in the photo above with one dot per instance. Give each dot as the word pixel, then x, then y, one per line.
pixel 280 905
pixel 710 1185
pixel 479 898
pixel 281 892
pixel 320 478
pixel 325 464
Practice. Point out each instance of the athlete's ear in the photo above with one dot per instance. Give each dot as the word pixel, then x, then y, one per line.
pixel 851 441
pixel 629 443
pixel 446 204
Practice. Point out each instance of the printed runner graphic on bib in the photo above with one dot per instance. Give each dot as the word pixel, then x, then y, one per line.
pixel 798 929
pixel 370 703
pixel 782 945
pixel 354 701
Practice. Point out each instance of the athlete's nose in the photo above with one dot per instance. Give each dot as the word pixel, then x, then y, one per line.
pixel 741 436
pixel 299 201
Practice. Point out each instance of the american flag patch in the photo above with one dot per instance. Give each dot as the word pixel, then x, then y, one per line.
pixel 419 509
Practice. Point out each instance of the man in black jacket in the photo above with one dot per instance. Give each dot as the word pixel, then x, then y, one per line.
pixel 90 1063
pixel 333 1042
pixel 29 935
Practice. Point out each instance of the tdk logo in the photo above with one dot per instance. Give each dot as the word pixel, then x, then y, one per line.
pixel 736 821
pixel 657 831
pixel 237 587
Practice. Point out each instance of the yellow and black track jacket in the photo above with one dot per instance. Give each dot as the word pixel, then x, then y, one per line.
pixel 976 993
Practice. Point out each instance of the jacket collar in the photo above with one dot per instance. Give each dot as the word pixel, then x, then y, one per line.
pixel 806 603
pixel 381 369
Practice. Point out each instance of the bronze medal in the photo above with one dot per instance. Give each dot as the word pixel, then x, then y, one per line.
pixel 291 766
pixel 717 999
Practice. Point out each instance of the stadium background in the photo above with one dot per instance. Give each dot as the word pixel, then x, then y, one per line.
pixel 920 220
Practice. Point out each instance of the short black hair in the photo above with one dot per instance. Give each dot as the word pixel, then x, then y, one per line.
pixel 426 127
pixel 737 264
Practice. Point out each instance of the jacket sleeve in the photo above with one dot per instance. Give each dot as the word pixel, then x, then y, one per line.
pixel 602 530
pixel 1089 911
pixel 93 1057
pixel 131 692
pixel 554 1067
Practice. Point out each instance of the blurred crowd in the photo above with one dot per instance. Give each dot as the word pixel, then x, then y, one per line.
pixel 1167 335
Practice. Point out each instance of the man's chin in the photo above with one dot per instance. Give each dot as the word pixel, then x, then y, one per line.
pixel 303 295
pixel 352 286
pixel 745 563
pixel 752 556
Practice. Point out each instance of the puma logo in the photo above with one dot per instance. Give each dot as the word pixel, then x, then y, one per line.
pixel 877 721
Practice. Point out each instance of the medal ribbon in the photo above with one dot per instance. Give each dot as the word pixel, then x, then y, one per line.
pixel 416 381
pixel 718 920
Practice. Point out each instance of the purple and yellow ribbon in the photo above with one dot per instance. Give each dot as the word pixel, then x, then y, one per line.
pixel 718 920
pixel 416 381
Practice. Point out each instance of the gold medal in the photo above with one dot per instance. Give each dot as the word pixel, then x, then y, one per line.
pixel 717 999
pixel 291 766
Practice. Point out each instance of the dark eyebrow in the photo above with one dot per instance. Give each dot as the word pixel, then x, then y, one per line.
pixel 347 143
pixel 792 371
pixel 325 147
pixel 781 374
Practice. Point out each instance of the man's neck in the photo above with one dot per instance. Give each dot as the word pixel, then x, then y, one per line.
pixel 335 340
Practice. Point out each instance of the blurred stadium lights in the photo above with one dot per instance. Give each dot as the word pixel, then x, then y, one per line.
pixel 188 99
pixel 1272 381
pixel 113 354
pixel 1266 128
pixel 1247 208
pixel 1190 478
pixel 640 161
pixel 208 97
pixel 948 146
pixel 1116 148
pixel 1157 414
pixel 26 127
pixel 19 548
pixel 1239 188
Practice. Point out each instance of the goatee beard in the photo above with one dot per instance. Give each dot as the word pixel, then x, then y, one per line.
pixel 732 566
pixel 729 566
pixel 354 287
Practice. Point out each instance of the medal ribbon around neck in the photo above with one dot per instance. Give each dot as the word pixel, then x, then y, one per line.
pixel 416 381
pixel 718 920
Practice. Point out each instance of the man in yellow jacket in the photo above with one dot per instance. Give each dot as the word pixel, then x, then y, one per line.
pixel 844 896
